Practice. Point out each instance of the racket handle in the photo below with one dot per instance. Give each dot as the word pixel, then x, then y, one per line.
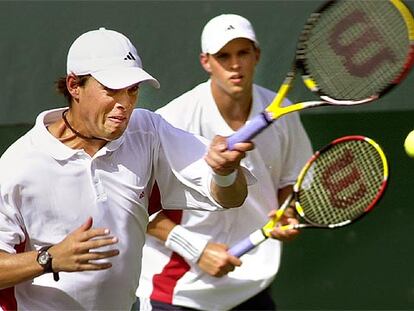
pixel 249 130
pixel 248 243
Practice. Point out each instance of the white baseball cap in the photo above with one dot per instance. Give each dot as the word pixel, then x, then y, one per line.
pixel 109 57
pixel 222 29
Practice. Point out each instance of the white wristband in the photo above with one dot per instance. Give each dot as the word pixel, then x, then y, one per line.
pixel 224 181
pixel 186 243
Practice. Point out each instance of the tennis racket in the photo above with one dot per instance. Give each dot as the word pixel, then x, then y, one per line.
pixel 349 53
pixel 338 185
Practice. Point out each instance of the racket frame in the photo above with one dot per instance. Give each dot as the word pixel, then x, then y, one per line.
pixel 312 85
pixel 274 110
pixel 260 235
pixel 298 184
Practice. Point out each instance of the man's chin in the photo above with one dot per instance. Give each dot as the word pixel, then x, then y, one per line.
pixel 112 137
pixel 113 133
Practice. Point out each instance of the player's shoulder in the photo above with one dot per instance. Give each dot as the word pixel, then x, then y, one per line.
pixel 141 113
pixel 143 119
pixel 265 96
pixel 17 156
pixel 185 101
pixel 262 95
pixel 144 130
pixel 18 148
pixel 146 122
pixel 263 91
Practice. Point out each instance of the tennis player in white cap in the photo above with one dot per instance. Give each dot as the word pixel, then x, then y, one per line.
pixel 185 262
pixel 74 190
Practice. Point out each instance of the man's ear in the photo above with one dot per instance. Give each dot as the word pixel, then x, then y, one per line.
pixel 205 62
pixel 258 52
pixel 72 84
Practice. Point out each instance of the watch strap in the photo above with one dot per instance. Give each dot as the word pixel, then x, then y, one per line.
pixel 48 267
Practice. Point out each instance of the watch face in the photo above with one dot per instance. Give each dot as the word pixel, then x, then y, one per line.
pixel 44 257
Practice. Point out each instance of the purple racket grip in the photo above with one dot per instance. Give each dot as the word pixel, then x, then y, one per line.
pixel 248 131
pixel 241 247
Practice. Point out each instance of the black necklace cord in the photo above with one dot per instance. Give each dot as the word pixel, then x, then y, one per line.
pixel 75 131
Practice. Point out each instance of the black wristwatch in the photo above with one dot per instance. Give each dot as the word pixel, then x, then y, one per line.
pixel 45 260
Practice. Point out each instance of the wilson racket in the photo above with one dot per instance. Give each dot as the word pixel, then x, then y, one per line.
pixel 349 53
pixel 340 183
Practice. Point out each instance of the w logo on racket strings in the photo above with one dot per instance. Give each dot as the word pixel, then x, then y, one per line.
pixel 369 39
pixel 338 176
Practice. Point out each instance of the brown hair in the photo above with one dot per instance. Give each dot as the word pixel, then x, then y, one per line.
pixel 62 89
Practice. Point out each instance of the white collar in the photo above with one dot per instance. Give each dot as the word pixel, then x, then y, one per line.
pixel 46 142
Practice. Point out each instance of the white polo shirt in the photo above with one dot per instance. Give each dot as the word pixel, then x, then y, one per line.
pixel 280 152
pixel 47 190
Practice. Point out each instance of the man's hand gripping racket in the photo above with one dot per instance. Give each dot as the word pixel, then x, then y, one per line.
pixel 338 185
pixel 349 53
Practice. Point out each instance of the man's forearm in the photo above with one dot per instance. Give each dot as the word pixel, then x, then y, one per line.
pixel 17 268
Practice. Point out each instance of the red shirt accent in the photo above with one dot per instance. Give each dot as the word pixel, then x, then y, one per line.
pixel 164 282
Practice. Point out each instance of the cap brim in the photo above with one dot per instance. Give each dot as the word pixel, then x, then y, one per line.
pixel 119 78
pixel 219 44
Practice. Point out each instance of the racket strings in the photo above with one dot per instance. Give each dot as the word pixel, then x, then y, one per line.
pixel 341 183
pixel 354 50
